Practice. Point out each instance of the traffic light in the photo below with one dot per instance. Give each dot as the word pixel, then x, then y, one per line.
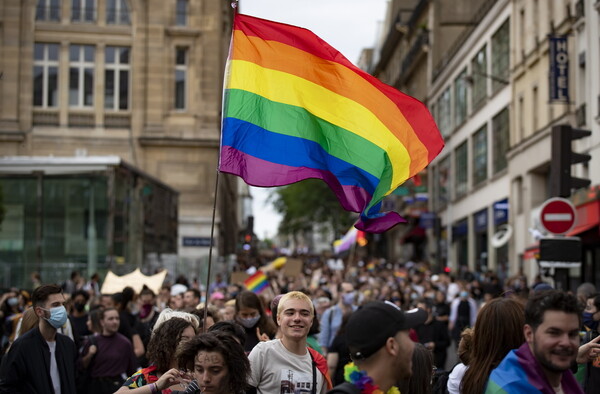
pixel 561 181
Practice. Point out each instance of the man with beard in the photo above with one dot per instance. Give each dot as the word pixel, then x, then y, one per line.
pixel 380 346
pixel 543 363
pixel 42 360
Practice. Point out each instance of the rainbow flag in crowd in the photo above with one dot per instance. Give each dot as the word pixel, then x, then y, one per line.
pixel 257 282
pixel 400 274
pixel 295 108
pixel 352 237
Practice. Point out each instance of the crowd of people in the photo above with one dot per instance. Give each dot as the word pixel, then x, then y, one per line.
pixel 334 328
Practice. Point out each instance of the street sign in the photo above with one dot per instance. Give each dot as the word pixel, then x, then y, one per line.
pixel 562 252
pixel 557 215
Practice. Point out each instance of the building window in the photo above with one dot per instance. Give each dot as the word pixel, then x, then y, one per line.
pixel 479 70
pixel 81 75
pixel 460 98
pixel 116 78
pixel 47 10
pixel 117 12
pixel 83 11
pixel 480 155
pixel 181 12
pixel 500 55
pixel 461 169
pixel 444 113
pixel 180 77
pixel 442 182
pixel 45 75
pixel 500 140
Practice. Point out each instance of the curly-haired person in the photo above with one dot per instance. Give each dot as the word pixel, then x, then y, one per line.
pixel 162 375
pixel 218 364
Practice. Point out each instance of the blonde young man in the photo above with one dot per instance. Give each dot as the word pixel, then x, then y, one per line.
pixel 287 364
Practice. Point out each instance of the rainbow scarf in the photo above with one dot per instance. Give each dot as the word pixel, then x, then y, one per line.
pixel 257 282
pixel 520 372
pixel 295 108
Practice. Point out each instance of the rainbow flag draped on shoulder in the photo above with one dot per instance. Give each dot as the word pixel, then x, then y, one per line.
pixel 295 108
pixel 519 372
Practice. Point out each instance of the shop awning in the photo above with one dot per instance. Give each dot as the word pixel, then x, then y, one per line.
pixel 587 217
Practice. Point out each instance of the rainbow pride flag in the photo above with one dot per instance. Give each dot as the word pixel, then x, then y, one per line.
pixel 257 282
pixel 520 372
pixel 295 108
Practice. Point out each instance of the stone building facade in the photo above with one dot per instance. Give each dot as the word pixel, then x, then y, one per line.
pixel 140 79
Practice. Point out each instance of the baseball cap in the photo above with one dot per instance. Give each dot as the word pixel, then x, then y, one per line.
pixel 371 325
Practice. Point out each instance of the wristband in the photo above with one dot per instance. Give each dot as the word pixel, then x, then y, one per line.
pixel 153 388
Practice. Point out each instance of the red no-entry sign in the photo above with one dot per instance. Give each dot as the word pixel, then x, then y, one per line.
pixel 557 215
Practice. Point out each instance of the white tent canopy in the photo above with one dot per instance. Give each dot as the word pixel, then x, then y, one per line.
pixel 136 280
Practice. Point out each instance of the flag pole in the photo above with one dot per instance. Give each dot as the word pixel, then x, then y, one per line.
pixel 212 232
pixel 234 5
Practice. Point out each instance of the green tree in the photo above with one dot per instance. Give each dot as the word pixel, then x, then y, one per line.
pixel 309 202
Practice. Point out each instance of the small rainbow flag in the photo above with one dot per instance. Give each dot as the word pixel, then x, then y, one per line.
pixel 295 108
pixel 257 282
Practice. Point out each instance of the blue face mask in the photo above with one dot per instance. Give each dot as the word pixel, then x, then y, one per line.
pixel 58 316
pixel 588 320
pixel 348 298
pixel 249 322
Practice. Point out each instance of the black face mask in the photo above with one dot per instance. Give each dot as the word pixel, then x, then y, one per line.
pixel 79 307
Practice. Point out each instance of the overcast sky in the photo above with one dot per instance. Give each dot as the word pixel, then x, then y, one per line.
pixel 347 25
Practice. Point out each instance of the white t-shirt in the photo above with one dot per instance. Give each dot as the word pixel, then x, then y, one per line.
pixel 54 367
pixel 274 369
pixel 455 378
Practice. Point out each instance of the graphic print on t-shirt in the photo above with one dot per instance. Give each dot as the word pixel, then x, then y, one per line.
pixel 295 382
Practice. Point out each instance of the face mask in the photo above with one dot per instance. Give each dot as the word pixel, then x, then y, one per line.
pixel 79 307
pixel 348 298
pixel 588 320
pixel 58 316
pixel 464 294
pixel 145 310
pixel 249 322
pixel 13 301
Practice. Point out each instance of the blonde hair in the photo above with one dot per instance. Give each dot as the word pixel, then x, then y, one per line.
pixel 295 295
pixel 169 313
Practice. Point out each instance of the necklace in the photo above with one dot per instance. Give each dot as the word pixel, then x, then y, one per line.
pixel 364 383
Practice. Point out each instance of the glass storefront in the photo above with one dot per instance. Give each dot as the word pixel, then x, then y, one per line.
pixel 94 222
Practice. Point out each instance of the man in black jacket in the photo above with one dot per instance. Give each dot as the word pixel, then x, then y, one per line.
pixel 42 361
pixel 433 334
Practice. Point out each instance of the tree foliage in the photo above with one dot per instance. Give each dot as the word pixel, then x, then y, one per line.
pixel 309 202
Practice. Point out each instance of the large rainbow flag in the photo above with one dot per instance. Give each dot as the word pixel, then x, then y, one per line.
pixel 295 108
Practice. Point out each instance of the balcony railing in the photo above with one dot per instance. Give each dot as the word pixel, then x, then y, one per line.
pixel 42 117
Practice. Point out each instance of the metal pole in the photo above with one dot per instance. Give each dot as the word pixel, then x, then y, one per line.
pixel 212 231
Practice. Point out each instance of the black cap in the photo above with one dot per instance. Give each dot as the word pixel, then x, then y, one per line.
pixel 371 325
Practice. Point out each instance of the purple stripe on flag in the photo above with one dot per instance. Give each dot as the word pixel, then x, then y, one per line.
pixel 258 172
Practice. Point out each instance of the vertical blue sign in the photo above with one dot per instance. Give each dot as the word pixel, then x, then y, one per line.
pixel 559 69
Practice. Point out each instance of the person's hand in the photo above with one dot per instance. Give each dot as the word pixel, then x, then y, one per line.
pixel 171 377
pixel 262 337
pixel 92 349
pixel 589 351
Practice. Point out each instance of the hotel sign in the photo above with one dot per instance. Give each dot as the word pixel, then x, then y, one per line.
pixel 559 69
